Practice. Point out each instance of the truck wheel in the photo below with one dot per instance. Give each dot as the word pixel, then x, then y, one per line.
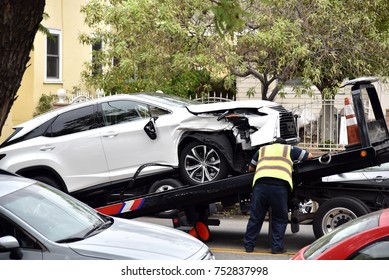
pixel 335 212
pixel 201 163
pixel 161 186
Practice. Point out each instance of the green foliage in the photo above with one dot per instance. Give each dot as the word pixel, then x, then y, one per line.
pixel 322 41
pixel 188 47
pixel 228 16
pixel 342 42
pixel 327 145
pixel 154 43
pixel 250 92
pixel 45 104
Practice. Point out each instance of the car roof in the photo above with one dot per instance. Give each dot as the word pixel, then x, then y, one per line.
pixel 10 183
pixel 140 96
pixel 40 119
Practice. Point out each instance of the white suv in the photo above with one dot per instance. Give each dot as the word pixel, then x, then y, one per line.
pixel 99 144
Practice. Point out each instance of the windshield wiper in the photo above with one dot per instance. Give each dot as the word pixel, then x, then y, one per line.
pixel 70 239
pixel 98 227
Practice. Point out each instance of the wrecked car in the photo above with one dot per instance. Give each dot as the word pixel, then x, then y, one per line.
pixel 97 144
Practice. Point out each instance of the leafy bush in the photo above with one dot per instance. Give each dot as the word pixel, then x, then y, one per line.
pixel 45 104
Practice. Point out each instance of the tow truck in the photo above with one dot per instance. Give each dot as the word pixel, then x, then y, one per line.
pixel 336 205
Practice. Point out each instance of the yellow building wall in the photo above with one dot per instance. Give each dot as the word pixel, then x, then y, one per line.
pixel 64 15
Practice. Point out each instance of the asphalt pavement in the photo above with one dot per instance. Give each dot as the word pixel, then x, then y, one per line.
pixel 226 240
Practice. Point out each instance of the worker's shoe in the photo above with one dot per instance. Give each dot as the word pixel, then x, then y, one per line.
pixel 282 251
pixel 249 250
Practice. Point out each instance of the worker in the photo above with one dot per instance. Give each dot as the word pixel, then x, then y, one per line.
pixel 273 166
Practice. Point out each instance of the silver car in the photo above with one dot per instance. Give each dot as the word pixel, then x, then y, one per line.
pixel 375 176
pixel 40 222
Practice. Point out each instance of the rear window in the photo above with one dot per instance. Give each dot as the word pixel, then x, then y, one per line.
pixel 74 121
pixel 363 223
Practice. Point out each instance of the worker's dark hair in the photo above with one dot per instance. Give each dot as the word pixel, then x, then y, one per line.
pixel 280 140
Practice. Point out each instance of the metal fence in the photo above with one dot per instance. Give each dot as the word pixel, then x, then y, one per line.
pixel 321 124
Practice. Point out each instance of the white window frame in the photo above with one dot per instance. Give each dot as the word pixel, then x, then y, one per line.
pixel 58 79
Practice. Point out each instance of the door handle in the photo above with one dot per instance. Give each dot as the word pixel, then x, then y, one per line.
pixel 380 179
pixel 110 134
pixel 47 148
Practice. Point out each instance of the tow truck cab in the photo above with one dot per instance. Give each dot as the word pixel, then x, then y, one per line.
pixel 337 205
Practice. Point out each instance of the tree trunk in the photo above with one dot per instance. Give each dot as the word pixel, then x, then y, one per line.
pixel 19 22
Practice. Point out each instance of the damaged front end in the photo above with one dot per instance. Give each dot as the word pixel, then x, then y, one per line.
pixel 251 127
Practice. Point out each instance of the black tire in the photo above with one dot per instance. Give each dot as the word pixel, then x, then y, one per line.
pixel 48 180
pixel 165 185
pixel 335 212
pixel 201 163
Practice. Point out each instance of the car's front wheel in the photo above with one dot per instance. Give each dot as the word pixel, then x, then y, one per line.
pixel 201 163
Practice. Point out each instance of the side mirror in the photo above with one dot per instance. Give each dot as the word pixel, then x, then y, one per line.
pixel 10 244
pixel 150 128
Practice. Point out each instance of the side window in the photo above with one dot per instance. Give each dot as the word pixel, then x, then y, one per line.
pixel 378 250
pixel 156 111
pixel 116 112
pixel 74 121
pixel 8 228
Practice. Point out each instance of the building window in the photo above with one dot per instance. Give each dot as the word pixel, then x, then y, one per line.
pixel 53 56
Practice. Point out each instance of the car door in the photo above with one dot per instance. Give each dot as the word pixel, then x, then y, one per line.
pixel 128 145
pixel 72 146
pixel 367 177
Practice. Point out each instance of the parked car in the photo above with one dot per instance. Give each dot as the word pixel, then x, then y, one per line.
pixel 374 176
pixel 95 145
pixel 364 238
pixel 38 221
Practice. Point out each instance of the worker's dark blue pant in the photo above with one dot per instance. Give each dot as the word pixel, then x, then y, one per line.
pixel 263 197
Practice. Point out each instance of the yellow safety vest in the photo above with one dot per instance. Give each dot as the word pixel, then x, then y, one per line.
pixel 274 161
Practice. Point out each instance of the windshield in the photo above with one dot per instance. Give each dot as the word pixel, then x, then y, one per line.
pixel 363 223
pixel 52 213
pixel 167 99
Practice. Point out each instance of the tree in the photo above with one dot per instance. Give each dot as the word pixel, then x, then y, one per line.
pixel 19 22
pixel 269 47
pixel 323 41
pixel 149 43
pixel 343 42
pixel 152 42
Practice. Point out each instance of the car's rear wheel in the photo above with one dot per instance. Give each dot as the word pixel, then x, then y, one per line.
pixel 47 180
pixel 201 163
pixel 164 185
pixel 335 212
pixel 161 186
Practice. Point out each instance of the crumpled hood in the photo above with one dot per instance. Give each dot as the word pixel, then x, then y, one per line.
pixel 211 107
pixel 128 239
